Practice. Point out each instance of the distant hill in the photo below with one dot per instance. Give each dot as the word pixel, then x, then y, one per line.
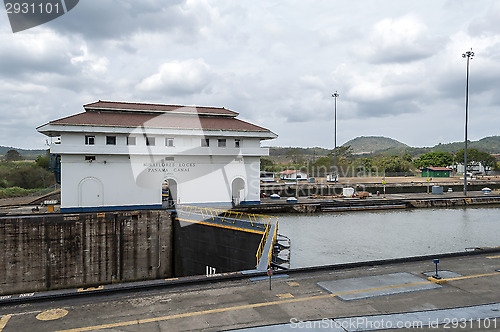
pixel 27 154
pixel 376 146
pixel 296 154
pixel 370 144
pixel 488 144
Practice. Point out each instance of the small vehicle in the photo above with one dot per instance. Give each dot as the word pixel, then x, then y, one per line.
pixel 362 194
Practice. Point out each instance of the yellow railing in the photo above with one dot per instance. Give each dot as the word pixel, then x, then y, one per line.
pixel 260 249
pixel 270 253
pixel 263 241
pixel 225 215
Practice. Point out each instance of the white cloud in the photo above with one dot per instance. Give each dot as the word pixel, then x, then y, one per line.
pixel 400 40
pixel 90 63
pixel 178 77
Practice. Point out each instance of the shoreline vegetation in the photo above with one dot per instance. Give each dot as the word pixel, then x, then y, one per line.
pixel 20 178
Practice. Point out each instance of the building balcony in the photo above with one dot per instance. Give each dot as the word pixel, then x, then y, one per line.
pixel 156 150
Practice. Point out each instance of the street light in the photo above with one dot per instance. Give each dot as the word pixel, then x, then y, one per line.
pixel 335 95
pixel 468 55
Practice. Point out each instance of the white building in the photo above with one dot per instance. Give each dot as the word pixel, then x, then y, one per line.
pixel 117 155
pixel 474 168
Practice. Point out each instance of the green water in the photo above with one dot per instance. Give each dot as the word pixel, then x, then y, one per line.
pixel 341 237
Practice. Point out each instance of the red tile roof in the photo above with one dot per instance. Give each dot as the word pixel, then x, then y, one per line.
pixel 289 171
pixel 164 120
pixel 438 168
pixel 102 105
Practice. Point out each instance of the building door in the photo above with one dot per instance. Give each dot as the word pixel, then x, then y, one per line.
pixel 238 191
pixel 169 192
pixel 90 190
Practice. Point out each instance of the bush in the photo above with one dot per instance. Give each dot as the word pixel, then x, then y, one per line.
pixel 13 155
pixel 25 175
pixel 15 192
pixel 42 161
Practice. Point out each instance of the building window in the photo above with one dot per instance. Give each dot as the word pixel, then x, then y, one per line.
pixel 89 140
pixel 110 140
pixel 150 141
pixel 237 143
pixel 221 142
pixel 130 140
pixel 205 142
pixel 169 141
pixel 89 158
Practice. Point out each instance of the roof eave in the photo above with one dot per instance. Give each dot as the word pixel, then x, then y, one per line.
pixel 109 109
pixel 67 127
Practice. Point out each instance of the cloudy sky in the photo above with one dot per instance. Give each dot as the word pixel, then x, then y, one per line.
pixel 397 65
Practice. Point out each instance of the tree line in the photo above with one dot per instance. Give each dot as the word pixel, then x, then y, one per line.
pixel 349 164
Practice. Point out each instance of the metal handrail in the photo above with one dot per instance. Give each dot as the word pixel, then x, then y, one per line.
pixel 260 249
pixel 228 216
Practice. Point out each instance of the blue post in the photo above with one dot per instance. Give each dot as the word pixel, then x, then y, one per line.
pixel 436 261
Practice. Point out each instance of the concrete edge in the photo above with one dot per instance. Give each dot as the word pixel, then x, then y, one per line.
pixel 202 279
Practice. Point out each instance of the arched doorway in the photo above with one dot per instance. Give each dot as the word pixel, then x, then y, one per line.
pixel 169 192
pixel 90 192
pixel 238 191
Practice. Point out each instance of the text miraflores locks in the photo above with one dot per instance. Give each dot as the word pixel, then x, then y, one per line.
pixel 165 166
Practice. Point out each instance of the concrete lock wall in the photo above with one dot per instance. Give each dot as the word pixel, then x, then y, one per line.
pixel 40 252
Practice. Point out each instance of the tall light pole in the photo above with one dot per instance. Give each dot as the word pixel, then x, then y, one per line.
pixel 468 55
pixel 335 95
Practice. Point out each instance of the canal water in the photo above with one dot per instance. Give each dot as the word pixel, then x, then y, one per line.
pixel 343 237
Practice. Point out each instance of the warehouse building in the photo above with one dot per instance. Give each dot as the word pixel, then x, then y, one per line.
pixel 436 172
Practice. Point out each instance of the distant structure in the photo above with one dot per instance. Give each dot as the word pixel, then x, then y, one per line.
pixel 266 177
pixel 293 175
pixel 473 168
pixel 120 155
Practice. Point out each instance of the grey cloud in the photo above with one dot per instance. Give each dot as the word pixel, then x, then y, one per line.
pixel 398 55
pixel 275 63
pixel 385 108
pixel 22 60
pixel 487 23
pixel 107 19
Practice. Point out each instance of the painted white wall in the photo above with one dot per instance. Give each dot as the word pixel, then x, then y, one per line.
pixel 137 180
pixel 114 172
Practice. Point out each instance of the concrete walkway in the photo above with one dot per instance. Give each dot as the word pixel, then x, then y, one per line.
pixel 369 295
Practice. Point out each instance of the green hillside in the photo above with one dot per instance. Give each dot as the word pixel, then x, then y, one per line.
pixel 27 154
pixel 370 144
pixel 488 144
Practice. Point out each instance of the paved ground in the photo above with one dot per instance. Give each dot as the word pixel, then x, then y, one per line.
pixel 407 180
pixel 390 198
pixel 296 298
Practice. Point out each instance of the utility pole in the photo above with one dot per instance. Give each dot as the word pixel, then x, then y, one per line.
pixel 335 95
pixel 468 55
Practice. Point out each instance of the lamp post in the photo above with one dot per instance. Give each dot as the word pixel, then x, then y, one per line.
pixel 335 95
pixel 468 55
